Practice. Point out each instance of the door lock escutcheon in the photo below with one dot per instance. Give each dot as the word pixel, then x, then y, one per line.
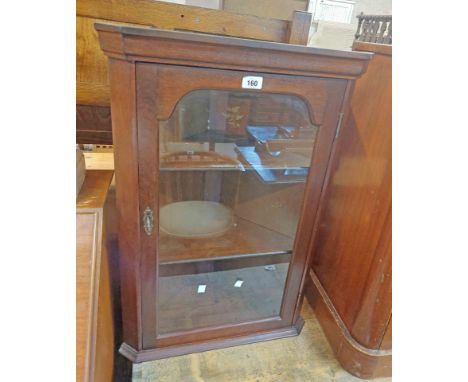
pixel 148 221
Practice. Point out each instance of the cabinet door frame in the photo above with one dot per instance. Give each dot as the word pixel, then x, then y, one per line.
pixel 158 89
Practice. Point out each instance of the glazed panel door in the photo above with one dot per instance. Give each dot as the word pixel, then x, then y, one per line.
pixel 231 166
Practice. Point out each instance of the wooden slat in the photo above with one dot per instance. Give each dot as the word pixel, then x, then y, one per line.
pixel 275 9
pixel 92 82
pixel 88 93
pixel 182 17
pixel 94 317
pixel 299 28
pixel 93 124
pixel 89 58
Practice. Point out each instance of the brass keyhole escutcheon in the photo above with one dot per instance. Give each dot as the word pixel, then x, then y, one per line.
pixel 148 221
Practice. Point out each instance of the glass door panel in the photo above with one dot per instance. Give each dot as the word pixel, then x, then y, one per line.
pixel 233 167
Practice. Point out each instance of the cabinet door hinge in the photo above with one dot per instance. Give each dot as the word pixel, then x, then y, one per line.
pixel 338 128
pixel 148 221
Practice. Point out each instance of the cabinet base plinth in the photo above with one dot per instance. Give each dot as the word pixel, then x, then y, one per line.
pixel 355 358
pixel 173 351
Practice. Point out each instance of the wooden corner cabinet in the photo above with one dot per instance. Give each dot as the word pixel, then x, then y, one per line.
pixel 222 148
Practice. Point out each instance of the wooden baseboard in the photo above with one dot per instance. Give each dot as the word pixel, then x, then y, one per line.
pixel 173 351
pixel 356 359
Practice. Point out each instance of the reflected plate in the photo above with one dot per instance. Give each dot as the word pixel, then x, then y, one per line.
pixel 195 219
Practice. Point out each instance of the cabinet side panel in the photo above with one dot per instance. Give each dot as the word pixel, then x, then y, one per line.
pixel 148 157
pixel 372 319
pixel 122 76
pixel 104 364
pixel 354 223
pixel 387 338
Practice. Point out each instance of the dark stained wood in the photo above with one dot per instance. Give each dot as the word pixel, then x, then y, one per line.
pixel 351 253
pixel 145 89
pixel 371 321
pixel 168 47
pixel 126 172
pixel 148 163
pixel 356 359
pixel 387 338
pixel 173 351
pixel 315 96
pixel 170 84
pixel 94 307
pixel 93 124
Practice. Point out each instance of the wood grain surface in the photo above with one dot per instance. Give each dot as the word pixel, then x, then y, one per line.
pixel 93 124
pixel 91 73
pixel 359 360
pixel 276 9
pixel 92 79
pixel 299 28
pixel 94 311
pixel 126 172
pixel 182 17
pixel 159 87
pixel 352 253
pixel 354 240
pixel 146 85
pixel 173 47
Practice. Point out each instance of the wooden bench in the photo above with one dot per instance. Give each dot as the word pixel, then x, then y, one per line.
pixel 94 303
pixel 93 117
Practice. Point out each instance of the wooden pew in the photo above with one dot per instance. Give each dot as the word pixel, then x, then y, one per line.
pixel 93 118
pixel 95 336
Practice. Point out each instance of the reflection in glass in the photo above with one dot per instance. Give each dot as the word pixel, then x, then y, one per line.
pixel 233 166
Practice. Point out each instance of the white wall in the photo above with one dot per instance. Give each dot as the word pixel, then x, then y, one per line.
pixel 340 36
pixel 370 7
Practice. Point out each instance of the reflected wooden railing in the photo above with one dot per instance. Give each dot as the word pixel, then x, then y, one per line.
pixel 374 28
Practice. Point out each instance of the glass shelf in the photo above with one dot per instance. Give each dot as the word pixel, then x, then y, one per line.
pixel 243 238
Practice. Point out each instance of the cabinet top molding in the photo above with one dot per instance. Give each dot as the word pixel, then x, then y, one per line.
pixel 211 51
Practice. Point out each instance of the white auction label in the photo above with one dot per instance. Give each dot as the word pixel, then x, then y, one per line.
pixel 201 288
pixel 252 82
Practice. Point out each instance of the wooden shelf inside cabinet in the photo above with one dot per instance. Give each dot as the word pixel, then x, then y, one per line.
pixel 187 166
pixel 248 157
pixel 244 239
pixel 278 167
